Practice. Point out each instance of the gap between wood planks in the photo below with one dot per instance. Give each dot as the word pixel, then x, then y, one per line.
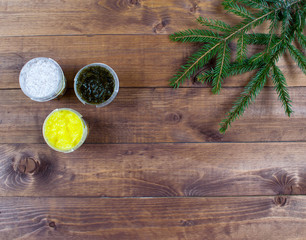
pixel 173 197
pixel 225 87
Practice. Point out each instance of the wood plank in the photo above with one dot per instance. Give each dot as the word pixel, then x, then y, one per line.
pixel 154 170
pixel 136 59
pixel 147 115
pixel 139 60
pixel 165 218
pixel 57 17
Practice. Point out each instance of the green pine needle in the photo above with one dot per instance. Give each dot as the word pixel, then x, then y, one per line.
pixel 286 17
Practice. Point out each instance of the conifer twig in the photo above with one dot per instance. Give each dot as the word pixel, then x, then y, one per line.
pixel 288 16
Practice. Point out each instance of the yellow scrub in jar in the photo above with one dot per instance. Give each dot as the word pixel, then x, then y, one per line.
pixel 64 130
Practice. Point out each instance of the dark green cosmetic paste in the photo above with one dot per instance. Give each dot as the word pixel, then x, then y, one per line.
pixel 95 84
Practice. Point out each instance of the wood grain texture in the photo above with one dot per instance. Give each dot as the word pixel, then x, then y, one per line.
pixel 151 115
pixel 154 170
pixel 149 169
pixel 70 17
pixel 279 218
pixel 139 60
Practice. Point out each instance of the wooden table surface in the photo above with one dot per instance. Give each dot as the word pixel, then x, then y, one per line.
pixel 154 165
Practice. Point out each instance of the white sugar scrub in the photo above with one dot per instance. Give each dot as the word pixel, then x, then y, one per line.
pixel 42 79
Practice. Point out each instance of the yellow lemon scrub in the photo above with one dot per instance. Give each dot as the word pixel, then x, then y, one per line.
pixel 65 130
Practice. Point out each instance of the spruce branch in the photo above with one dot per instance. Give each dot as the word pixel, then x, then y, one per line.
pixel 253 88
pixel 301 39
pixel 264 56
pixel 299 58
pixel 280 84
pixel 195 35
pixel 247 24
pixel 239 10
pixel 235 68
pixel 214 24
pixel 257 4
pixel 205 76
pixel 222 67
pixel 272 27
pixel 238 68
pixel 241 48
pixel 196 61
pixel 298 20
pixel 260 38
pixel 248 95
pixel 286 17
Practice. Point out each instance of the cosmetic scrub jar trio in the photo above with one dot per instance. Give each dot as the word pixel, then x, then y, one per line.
pixel 42 79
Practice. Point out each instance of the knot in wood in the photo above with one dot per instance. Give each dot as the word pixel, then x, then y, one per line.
pixel 134 2
pixel 194 78
pixel 212 136
pixel 52 224
pixel 128 152
pixel 174 117
pixel 160 26
pixel 27 165
pixel 187 223
pixel 280 201
pixel 194 8
pixel 283 182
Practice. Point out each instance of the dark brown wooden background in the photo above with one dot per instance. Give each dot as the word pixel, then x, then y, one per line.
pixel 154 165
